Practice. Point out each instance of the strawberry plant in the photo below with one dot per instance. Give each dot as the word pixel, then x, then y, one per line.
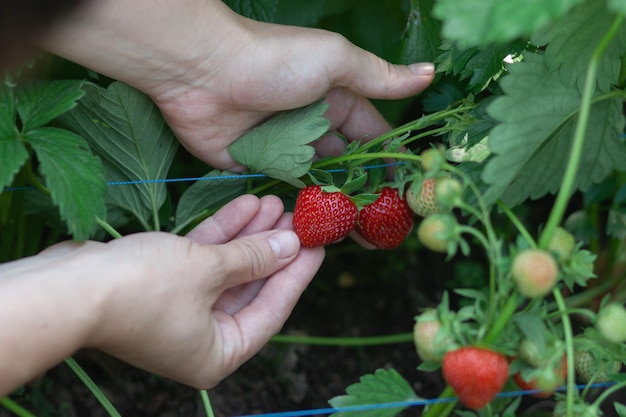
pixel 526 112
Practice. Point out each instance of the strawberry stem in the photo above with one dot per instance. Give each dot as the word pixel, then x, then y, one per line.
pixel 344 341
pixel 15 408
pixel 503 319
pixel 569 178
pixel 93 387
pixel 206 402
pixel 569 349
pixel 518 224
pixel 442 409
pixel 567 188
pixel 418 124
pixel 108 228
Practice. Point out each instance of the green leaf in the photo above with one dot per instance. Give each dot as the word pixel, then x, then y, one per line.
pixel 481 22
pixel 40 102
pixel 206 195
pixel 421 40
pixel 531 144
pixel 74 177
pixel 374 25
pixel 579 269
pixel 571 42
pixel 533 328
pixel 129 133
pixel 13 155
pixel 7 113
pixel 279 147
pixel 616 224
pixel 479 66
pixel 620 409
pixel 617 6
pixel 384 386
pixel 262 10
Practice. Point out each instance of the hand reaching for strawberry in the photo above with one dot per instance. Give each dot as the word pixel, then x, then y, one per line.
pixel 223 74
pixel 190 308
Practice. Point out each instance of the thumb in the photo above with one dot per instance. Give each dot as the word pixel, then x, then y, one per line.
pixel 254 256
pixel 373 77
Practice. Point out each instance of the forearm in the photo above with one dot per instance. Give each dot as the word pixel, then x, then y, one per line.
pixel 48 309
pixel 142 41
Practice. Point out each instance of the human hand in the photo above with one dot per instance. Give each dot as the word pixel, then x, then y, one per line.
pixel 204 304
pixel 221 74
pixel 269 68
pixel 189 308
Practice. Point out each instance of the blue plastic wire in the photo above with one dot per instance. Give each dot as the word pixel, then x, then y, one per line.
pixel 405 404
pixel 193 179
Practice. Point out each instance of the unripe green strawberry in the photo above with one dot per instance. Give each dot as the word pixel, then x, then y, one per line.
pixel 588 367
pixel 611 323
pixel 448 192
pixel 431 341
pixel 530 353
pixel 423 201
pixel 535 272
pixel 432 159
pixel 562 244
pixel 437 231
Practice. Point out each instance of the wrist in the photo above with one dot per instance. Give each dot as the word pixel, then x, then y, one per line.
pixel 49 306
pixel 145 43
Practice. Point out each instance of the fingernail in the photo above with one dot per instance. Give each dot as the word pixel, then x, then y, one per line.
pixel 284 243
pixel 422 68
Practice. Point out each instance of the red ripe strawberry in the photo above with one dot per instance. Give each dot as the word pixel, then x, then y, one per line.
pixel 320 218
pixel 387 221
pixel 475 374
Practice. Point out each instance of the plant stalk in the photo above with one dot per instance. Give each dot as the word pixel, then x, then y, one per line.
pixel 15 408
pixel 569 178
pixel 344 341
pixel 569 349
pixel 206 402
pixel 93 387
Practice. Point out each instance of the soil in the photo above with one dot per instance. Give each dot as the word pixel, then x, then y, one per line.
pixel 356 293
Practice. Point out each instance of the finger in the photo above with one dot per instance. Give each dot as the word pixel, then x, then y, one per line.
pixel 354 116
pixel 236 298
pixel 361 241
pixel 227 222
pixel 267 313
pixel 370 76
pixel 270 210
pixel 252 257
pixel 329 145
pixel 285 222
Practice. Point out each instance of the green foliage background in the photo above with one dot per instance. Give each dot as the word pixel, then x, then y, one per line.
pixel 515 69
